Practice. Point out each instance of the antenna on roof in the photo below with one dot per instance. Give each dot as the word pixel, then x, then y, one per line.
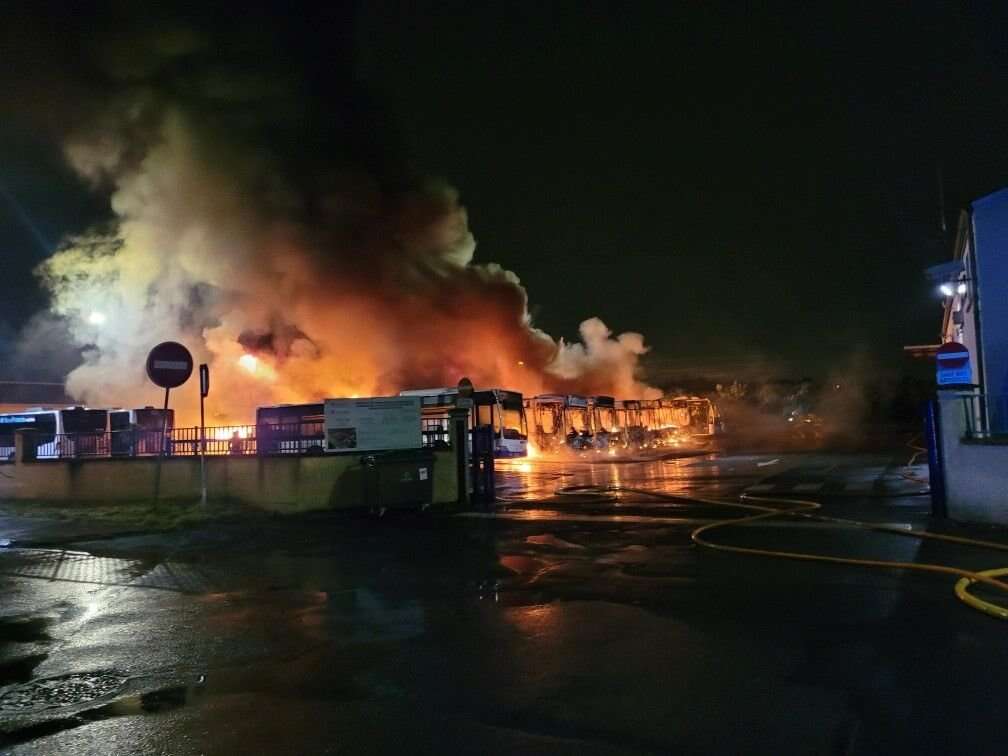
pixel 941 201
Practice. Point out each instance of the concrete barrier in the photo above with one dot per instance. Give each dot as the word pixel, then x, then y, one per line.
pixel 279 484
pixel 975 480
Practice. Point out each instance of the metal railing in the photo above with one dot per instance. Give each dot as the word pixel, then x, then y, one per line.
pixel 307 439
pixel 985 416
pixel 236 440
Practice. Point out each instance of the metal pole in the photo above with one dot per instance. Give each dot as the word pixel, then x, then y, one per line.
pixel 202 433
pixel 204 389
pixel 161 447
pixel 164 423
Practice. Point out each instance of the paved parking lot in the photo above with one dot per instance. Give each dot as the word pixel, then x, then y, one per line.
pixel 574 618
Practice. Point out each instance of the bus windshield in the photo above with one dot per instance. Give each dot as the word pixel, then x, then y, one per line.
pixel 488 414
pixel 578 418
pixel 606 417
pixel 84 420
pixel 154 419
pixel 548 416
pixel 42 423
pixel 514 423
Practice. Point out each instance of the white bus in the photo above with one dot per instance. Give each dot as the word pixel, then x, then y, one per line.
pixel 70 432
pixel 500 409
pixel 144 431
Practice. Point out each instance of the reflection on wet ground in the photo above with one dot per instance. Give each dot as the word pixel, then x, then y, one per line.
pixel 574 618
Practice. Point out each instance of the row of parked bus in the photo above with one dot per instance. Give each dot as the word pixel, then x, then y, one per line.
pixel 566 421
pixel 87 432
pixel 551 421
pixel 602 422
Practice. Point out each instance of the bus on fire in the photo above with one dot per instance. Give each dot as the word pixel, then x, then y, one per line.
pixel 497 408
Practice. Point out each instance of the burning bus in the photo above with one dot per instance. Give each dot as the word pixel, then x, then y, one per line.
pixel 631 421
pixel 560 420
pixel 500 409
pixel 651 421
pixel 604 423
pixel 695 415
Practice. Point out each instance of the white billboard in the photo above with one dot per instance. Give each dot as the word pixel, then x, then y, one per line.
pixel 373 424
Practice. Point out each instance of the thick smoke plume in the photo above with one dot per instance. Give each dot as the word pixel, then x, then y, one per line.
pixel 241 224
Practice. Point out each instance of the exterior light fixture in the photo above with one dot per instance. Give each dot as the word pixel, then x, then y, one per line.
pixel 961 288
pixel 249 362
pixel 946 289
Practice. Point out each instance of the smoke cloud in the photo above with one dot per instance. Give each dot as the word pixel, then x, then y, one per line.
pixel 253 215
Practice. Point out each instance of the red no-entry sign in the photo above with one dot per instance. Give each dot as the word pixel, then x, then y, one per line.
pixel 169 365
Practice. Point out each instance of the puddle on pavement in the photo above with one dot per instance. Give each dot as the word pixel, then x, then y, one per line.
pixel 21 630
pixel 70 691
pixel 66 690
pixel 19 670
pixel 548 539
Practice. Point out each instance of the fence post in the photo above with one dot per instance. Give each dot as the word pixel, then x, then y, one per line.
pixel 24 447
pixel 204 374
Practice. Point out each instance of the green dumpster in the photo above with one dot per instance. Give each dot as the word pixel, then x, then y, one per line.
pixel 402 479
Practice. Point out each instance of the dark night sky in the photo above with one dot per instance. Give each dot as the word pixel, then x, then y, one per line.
pixel 734 184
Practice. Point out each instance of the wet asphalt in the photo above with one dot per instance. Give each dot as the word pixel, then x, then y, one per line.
pixel 573 618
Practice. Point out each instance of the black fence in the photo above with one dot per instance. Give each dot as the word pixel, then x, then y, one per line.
pixel 305 439
pixel 985 415
pixel 238 440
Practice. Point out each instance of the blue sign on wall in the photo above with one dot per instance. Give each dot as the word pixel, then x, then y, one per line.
pixel 953 362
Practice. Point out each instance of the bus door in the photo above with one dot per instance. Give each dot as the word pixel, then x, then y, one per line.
pixel 121 433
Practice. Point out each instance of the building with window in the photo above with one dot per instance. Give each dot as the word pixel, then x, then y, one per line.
pixel 971 429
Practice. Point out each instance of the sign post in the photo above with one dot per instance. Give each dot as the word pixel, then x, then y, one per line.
pixel 204 390
pixel 169 365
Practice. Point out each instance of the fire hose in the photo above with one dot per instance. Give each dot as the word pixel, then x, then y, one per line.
pixel 809 509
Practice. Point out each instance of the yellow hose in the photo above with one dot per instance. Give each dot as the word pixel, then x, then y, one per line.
pixel 805 508
pixel 978 603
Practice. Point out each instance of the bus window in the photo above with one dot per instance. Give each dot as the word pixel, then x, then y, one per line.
pixel 514 423
pixel 484 414
pixel 154 419
pixel 578 419
pixel 547 419
pixel 290 429
pixel 84 421
pixel 43 424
